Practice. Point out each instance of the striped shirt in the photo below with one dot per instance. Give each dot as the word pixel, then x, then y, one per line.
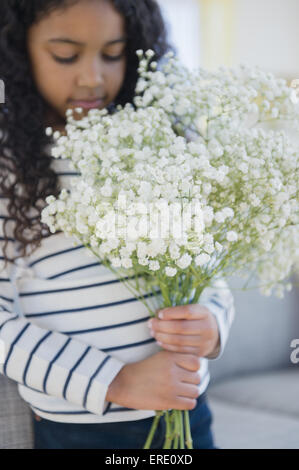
pixel 68 326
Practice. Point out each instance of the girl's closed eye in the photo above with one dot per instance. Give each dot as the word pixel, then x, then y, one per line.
pixel 71 60
pixel 113 58
pixel 65 60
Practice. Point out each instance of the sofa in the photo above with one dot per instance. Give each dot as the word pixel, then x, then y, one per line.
pixel 254 385
pixel 254 388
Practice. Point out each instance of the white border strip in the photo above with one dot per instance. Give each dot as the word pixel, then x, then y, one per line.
pixel 2 92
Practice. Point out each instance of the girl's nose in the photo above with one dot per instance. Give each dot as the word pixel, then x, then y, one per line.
pixel 91 74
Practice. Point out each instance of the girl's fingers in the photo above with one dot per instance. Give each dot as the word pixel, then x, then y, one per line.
pixel 183 403
pixel 189 362
pixel 188 390
pixel 181 312
pixel 191 378
pixel 179 327
pixel 182 349
pixel 179 340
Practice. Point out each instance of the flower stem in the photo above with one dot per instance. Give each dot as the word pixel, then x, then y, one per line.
pixel 189 442
pixel 182 445
pixel 197 294
pixel 168 439
pixel 177 430
pixel 152 430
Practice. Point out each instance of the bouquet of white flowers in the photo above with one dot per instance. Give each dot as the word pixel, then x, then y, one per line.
pixel 169 211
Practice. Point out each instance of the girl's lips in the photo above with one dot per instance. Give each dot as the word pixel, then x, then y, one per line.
pixel 88 104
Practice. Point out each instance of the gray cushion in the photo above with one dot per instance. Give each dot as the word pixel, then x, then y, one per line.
pixel 261 334
pixel 239 427
pixel 270 391
pixel 259 411
pixel 15 418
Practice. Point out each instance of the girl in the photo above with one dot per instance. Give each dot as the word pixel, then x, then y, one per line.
pixel 76 343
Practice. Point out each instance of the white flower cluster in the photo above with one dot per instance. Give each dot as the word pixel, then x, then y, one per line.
pixel 151 199
pixel 261 185
pixel 203 101
pixel 136 200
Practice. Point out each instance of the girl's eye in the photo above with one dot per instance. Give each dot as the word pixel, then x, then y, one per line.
pixel 70 60
pixel 65 60
pixel 113 58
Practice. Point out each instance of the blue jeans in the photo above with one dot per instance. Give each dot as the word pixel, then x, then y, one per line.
pixel 120 435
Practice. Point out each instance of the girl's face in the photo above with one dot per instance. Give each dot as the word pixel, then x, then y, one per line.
pixel 78 57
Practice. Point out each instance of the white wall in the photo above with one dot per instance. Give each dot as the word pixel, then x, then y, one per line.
pixel 182 18
pixel 267 34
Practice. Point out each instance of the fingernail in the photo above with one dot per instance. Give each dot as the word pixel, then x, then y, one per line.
pixel 160 314
pixel 152 333
pixel 149 323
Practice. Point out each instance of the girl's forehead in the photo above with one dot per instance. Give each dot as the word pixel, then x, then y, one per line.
pixel 84 21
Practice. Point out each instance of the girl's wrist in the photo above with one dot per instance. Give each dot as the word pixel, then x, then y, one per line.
pixel 117 387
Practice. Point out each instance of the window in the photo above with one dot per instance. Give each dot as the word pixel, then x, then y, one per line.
pixel 183 19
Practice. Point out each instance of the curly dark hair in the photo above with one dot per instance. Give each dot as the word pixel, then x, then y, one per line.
pixel 26 178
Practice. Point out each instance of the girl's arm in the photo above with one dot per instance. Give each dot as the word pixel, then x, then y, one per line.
pixel 60 366
pixel 48 361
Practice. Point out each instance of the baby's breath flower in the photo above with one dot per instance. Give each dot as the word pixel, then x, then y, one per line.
pixel 184 261
pixel 49 131
pixel 126 263
pixel 56 135
pixel 232 236
pixel 170 272
pixel 50 199
pixel 202 259
pixel 154 265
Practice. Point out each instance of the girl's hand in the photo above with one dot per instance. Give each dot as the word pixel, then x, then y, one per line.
pixel 189 329
pixel 162 381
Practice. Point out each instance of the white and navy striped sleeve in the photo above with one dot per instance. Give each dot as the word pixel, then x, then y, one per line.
pixel 47 361
pixel 219 300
